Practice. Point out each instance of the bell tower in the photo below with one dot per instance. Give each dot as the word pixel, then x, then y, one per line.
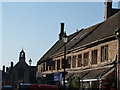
pixel 22 56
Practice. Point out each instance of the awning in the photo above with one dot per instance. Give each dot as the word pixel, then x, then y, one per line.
pixel 97 73
pixel 68 75
pixel 79 74
pixel 92 74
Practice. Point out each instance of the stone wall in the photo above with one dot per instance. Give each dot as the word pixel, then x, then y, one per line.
pixel 112 53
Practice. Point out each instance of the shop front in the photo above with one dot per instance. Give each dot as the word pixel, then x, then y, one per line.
pixel 99 78
pixel 54 79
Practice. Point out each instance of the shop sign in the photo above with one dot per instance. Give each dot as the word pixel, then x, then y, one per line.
pixel 58 77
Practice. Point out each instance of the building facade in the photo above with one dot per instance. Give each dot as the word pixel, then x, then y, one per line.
pixel 19 73
pixel 92 56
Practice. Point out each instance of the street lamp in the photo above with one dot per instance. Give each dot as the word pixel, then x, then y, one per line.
pixel 30 62
pixel 65 39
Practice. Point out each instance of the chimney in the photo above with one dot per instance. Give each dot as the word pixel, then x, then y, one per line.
pixel 61 31
pixel 12 64
pixel 3 68
pixel 7 69
pixel 108 9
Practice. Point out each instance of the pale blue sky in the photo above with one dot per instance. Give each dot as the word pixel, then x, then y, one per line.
pixel 34 26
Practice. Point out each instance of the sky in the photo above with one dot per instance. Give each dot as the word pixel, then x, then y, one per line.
pixel 35 26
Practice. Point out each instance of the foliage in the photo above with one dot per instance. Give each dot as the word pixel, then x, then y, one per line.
pixel 74 83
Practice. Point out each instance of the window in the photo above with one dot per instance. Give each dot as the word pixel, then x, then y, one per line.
pixel 58 64
pixel 43 67
pixel 53 63
pixel 80 60
pixel 46 67
pixel 74 62
pixel 50 67
pixel 68 61
pixel 62 63
pixel 104 53
pixel 94 57
pixel 85 58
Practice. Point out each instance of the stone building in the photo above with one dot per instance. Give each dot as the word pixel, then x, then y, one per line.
pixel 92 55
pixel 20 73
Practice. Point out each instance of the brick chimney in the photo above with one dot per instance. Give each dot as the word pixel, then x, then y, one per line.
pixel 108 9
pixel 61 31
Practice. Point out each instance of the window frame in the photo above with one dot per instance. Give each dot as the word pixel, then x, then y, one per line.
pixel 94 56
pixel 85 59
pixel 104 53
pixel 80 59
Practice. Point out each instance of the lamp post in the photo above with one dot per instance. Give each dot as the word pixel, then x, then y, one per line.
pixel 65 39
pixel 30 62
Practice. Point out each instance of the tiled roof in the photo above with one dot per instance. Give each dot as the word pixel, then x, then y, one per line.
pixel 55 48
pixel 79 37
pixel 85 36
pixel 106 29
pixel 94 33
